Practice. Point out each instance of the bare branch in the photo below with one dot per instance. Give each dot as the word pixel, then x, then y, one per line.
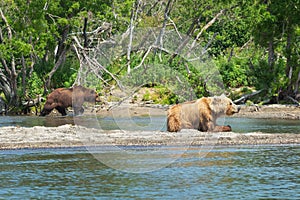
pixel 12 70
pixel 144 57
pixel 186 40
pixel 246 44
pixel 9 32
pixel 152 7
pixel 175 27
pixel 204 50
pixel 210 23
pixel 104 27
pixel 9 35
pixel 159 41
pixel 293 100
pixel 97 64
pixel 131 28
pixel 77 42
pixel 125 98
pixel 148 51
pixel 59 61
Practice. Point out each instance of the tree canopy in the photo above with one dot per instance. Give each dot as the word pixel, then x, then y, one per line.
pixel 254 44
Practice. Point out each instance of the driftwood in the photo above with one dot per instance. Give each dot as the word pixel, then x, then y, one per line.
pixel 36 102
pixel 293 100
pixel 3 107
pixel 246 97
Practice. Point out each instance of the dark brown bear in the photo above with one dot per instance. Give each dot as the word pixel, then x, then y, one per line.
pixel 62 98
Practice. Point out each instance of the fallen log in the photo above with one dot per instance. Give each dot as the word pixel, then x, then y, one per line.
pixel 245 97
pixel 293 100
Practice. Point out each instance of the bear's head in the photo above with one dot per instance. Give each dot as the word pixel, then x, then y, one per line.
pixel 48 107
pixel 45 112
pixel 222 105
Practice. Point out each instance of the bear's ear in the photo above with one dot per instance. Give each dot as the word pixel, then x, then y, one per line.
pixel 223 95
pixel 216 100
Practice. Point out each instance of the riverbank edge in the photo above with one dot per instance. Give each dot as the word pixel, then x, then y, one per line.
pixel 76 136
pixel 272 111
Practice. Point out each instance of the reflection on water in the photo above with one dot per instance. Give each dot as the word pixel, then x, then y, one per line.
pixel 242 125
pixel 30 121
pixel 261 172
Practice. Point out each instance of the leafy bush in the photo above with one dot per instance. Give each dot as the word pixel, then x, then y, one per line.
pixel 235 73
pixel 35 85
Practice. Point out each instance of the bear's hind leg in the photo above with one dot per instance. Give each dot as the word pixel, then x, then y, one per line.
pixel 61 110
pixel 78 110
pixel 173 124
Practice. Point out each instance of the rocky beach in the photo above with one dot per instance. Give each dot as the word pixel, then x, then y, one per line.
pixel 75 136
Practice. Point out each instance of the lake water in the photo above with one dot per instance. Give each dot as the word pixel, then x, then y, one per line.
pixel 241 125
pixel 253 172
pixel 232 172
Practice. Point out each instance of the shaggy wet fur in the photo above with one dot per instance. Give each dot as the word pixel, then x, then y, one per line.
pixel 200 114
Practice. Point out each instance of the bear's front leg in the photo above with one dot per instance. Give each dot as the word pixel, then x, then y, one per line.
pixel 222 128
pixel 212 127
pixel 208 126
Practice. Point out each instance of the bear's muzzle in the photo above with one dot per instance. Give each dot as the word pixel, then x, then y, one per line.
pixel 238 108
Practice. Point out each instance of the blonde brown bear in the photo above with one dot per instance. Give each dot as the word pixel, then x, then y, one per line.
pixel 201 114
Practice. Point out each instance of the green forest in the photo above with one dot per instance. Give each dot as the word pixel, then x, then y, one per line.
pixel 254 45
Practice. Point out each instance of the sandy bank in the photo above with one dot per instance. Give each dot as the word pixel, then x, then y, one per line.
pixel 72 136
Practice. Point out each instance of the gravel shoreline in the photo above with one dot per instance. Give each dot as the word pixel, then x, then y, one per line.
pixel 77 136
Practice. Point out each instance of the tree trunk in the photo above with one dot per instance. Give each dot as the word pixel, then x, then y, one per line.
pixel 296 90
pixel 133 17
pixel 289 65
pixel 271 57
pixel 60 58
pixel 159 41
pixel 24 74
pixel 4 84
pixel 13 79
pixel 10 69
pixel 84 33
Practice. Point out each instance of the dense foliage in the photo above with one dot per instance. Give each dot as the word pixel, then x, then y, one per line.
pixel 254 44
